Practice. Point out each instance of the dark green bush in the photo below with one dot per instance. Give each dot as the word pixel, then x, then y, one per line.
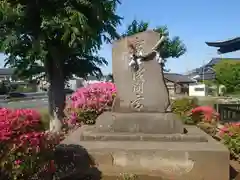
pixel 4 88
pixel 182 106
pixel 87 116
pixel 24 89
pixel 189 120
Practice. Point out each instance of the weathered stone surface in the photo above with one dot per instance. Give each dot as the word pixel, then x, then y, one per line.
pixel 175 160
pixel 148 81
pixel 142 96
pixel 151 123
pixel 93 136
pixel 143 138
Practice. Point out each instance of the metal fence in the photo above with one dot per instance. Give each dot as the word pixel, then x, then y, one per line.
pixel 228 112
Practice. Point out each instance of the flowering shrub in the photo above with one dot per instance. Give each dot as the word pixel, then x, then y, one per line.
pixel 87 103
pixel 25 148
pixel 230 134
pixel 205 114
pixel 206 118
pixel 183 106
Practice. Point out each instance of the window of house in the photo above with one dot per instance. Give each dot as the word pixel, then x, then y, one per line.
pixel 198 89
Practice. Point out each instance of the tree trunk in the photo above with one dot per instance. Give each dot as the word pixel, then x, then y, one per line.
pixel 56 95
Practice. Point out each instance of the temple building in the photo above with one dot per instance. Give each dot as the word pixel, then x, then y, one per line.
pixel 227 46
pixel 206 72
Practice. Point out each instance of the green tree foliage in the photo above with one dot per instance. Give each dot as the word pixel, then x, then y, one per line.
pixel 135 27
pixel 56 37
pixel 228 74
pixel 171 47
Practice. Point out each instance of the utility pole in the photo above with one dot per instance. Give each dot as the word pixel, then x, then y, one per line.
pixel 203 69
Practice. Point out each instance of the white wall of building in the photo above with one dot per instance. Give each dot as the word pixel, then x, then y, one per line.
pixel 74 84
pixel 198 90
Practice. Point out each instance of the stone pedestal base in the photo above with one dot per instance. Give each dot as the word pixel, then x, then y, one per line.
pixel 191 156
pixel 149 123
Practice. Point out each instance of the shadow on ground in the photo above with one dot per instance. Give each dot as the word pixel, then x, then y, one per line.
pixel 234 173
pixel 72 162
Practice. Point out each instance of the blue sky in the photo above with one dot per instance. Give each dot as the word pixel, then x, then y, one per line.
pixel 193 21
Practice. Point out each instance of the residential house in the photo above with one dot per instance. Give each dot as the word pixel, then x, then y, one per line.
pixel 207 72
pixel 6 74
pixel 178 83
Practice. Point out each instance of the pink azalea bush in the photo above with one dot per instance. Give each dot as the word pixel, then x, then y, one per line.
pixel 205 114
pixel 87 103
pixel 230 134
pixel 25 147
pixel 207 119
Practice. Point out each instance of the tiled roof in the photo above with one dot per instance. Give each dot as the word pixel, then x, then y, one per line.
pixel 224 43
pixel 207 68
pixel 6 71
pixel 227 46
pixel 206 76
pixel 173 77
pixel 217 60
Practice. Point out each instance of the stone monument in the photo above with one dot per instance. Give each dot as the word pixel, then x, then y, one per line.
pixel 142 98
pixel 140 136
